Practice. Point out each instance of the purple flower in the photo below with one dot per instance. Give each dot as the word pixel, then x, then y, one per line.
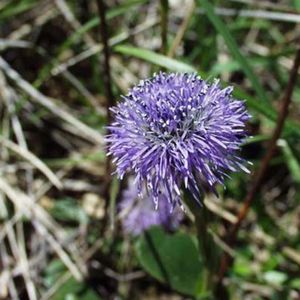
pixel 138 212
pixel 177 130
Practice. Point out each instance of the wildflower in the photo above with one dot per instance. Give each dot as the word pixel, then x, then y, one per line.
pixel 138 212
pixel 177 130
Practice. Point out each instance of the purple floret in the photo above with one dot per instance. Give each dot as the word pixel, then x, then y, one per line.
pixel 138 212
pixel 177 131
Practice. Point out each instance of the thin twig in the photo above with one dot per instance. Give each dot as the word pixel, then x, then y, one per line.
pixel 259 176
pixel 164 12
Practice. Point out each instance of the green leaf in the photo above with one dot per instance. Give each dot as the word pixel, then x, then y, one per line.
pixel 123 7
pixel 233 48
pixel 275 277
pixel 74 290
pixel 296 4
pixel 69 210
pixel 172 259
pixel 155 58
pixel 295 283
pixel 242 267
pixel 52 272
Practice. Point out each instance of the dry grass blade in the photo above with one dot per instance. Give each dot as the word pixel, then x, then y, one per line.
pixel 83 130
pixel 10 288
pixel 258 14
pixel 292 254
pixel 43 223
pixel 10 98
pixel 34 160
pixel 17 245
pixel 6 43
pixel 265 4
pixel 28 206
pixel 74 270
pixel 4 279
pixel 219 211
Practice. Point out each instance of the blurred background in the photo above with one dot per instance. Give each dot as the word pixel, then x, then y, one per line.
pixel 60 226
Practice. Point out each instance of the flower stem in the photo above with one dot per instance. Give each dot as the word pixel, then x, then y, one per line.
pixel 205 242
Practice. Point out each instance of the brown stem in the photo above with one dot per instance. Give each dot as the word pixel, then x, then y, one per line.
pixel 259 176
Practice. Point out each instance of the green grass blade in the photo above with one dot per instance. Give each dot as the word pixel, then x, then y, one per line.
pixel 233 48
pixel 292 161
pixel 15 8
pixel 122 8
pixel 154 58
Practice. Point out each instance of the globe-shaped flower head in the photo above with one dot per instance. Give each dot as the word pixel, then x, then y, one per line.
pixel 177 130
